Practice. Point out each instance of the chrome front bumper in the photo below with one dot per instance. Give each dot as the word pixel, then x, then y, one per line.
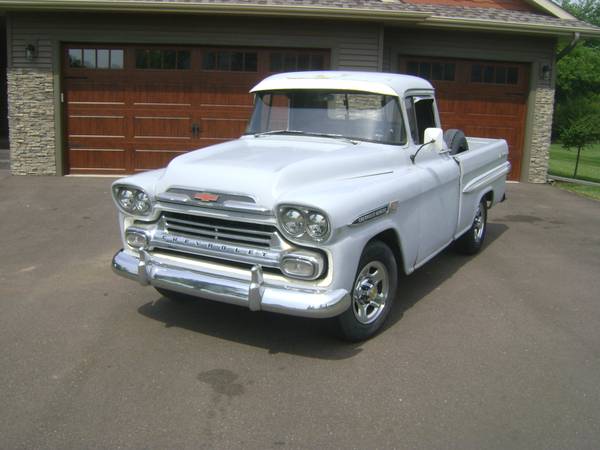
pixel 238 287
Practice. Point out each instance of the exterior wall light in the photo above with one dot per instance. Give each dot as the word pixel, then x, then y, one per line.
pixel 546 72
pixel 30 52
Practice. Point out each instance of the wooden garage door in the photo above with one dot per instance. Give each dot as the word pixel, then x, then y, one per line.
pixel 134 108
pixel 482 98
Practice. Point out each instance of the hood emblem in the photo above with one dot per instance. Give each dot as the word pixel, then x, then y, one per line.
pixel 205 197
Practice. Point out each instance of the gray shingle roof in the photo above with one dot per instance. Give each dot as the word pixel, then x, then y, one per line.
pixel 435 10
pixel 426 14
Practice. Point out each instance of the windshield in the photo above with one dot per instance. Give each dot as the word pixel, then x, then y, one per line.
pixel 353 115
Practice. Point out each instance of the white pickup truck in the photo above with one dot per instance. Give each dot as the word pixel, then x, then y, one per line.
pixel 341 180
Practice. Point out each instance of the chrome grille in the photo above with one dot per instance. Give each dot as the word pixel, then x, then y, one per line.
pixel 219 230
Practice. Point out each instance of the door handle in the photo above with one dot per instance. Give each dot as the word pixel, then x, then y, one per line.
pixel 195 130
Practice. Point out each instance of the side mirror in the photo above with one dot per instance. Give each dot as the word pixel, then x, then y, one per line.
pixel 436 137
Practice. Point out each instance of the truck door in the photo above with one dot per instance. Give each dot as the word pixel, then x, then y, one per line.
pixel 438 210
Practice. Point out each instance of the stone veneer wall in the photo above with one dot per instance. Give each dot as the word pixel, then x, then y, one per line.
pixel 31 121
pixel 541 132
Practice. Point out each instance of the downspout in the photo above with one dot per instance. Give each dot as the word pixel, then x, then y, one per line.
pixel 569 48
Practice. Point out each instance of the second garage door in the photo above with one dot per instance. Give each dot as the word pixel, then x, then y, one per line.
pixel 134 108
pixel 482 98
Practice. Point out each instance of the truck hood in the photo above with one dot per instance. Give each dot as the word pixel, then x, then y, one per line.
pixel 271 167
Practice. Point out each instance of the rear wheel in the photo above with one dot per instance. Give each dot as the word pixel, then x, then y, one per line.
pixel 372 294
pixel 472 241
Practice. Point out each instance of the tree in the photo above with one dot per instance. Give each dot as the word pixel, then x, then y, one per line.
pixel 579 119
pixel 578 73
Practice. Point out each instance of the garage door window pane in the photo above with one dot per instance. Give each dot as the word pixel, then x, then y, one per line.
pixel 184 59
pixel 154 59
pixel 425 70
pixel 449 70
pixel 141 59
pixel 289 61
pixel 169 59
pixel 512 75
pixel 303 62
pixel 237 61
pixel 116 59
pixel 476 70
pixel 75 57
pixel 224 62
pixel 500 75
pixel 412 68
pixel 276 62
pixel 488 74
pixel 89 58
pixel 317 62
pixel 103 59
pixel 210 61
pixel 251 62
pixel 437 71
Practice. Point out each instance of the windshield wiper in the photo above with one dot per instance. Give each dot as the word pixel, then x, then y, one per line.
pixel 335 136
pixel 265 133
pixel 307 133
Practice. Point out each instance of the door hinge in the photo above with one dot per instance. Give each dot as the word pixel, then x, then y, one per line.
pixel 62 97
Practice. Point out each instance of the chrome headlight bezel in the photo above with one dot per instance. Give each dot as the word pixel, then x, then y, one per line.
pixel 142 204
pixel 304 235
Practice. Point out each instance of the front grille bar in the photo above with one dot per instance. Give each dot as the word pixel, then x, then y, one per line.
pixel 218 230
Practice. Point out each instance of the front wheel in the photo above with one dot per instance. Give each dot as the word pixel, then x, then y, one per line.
pixel 373 292
pixel 472 241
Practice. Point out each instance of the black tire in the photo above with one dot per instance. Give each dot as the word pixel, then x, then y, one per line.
pixel 456 141
pixel 174 296
pixel 377 279
pixel 472 241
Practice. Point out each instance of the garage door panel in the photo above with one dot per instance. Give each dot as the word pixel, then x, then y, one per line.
pixel 162 127
pixel 219 128
pixel 152 158
pixel 97 126
pixel 227 95
pixel 87 92
pixel 86 159
pixel 163 94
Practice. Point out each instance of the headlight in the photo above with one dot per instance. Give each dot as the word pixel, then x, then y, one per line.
pixel 293 222
pixel 317 227
pixel 133 201
pixel 304 223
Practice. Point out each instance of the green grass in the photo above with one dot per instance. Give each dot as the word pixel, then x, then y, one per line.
pixel 562 162
pixel 585 191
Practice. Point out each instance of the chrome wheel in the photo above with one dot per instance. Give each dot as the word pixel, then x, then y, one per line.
pixel 371 292
pixel 478 224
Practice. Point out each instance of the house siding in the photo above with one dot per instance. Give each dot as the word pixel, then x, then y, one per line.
pixel 353 47
pixel 487 46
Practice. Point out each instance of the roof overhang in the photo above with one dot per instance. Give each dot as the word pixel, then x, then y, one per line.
pixel 510 27
pixel 384 16
pixel 552 8
pixel 362 14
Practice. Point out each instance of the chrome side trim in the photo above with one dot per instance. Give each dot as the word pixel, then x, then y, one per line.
pixel 375 213
pixel 245 288
pixel 487 177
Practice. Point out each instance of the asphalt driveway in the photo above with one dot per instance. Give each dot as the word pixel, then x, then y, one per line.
pixel 501 350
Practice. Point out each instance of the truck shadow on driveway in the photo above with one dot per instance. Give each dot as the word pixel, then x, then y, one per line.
pixel 298 336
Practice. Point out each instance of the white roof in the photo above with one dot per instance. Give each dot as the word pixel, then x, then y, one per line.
pixel 380 83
